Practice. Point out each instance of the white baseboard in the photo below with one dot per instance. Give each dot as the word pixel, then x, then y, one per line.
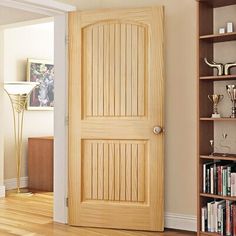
pixel 12 183
pixel 2 191
pixel 182 222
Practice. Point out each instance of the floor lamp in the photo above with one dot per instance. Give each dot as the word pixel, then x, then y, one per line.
pixel 19 93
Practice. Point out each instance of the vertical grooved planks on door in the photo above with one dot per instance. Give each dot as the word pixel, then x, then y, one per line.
pixel 118 69
pixel 141 71
pixel 95 170
pixel 106 171
pixel 111 171
pixel 141 172
pixel 95 71
pixel 134 69
pixel 100 71
pixel 100 171
pixel 123 70
pixel 87 170
pixel 134 172
pixel 88 73
pixel 122 172
pixel 128 172
pixel 117 171
pixel 106 69
pixel 128 70
pixel 112 70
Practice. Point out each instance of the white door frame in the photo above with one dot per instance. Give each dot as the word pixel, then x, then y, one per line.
pixel 59 12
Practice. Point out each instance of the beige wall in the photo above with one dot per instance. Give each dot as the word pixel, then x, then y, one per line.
pixel 34 41
pixel 180 154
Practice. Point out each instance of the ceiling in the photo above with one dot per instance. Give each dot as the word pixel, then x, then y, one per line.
pixel 11 15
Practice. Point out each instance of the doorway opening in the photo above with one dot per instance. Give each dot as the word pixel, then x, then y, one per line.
pixel 28 55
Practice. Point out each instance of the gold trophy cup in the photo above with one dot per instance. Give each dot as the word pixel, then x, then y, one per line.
pixel 215 99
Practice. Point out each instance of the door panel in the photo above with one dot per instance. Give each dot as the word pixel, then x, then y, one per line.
pixel 116 98
pixel 115 86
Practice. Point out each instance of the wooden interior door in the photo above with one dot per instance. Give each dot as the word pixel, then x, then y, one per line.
pixel 115 100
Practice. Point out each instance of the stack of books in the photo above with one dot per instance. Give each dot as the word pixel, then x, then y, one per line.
pixel 219 178
pixel 219 217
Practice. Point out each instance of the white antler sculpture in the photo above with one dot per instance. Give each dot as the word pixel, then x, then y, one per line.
pixel 218 66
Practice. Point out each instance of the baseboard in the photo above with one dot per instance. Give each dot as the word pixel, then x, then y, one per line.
pixel 2 191
pixel 182 222
pixel 12 183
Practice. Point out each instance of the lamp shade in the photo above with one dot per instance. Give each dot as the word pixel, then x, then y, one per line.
pixel 19 88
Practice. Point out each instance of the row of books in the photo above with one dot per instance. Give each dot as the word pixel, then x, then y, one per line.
pixel 219 178
pixel 219 217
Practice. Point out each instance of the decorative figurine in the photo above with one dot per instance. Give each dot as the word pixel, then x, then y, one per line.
pixel 230 27
pixel 221 30
pixel 231 90
pixel 215 99
pixel 227 66
pixel 218 66
pixel 223 146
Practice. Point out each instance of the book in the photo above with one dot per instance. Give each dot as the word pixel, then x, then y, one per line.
pixel 228 218
pixel 204 219
pixel 220 218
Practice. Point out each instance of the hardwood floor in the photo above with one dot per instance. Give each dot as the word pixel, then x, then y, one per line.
pixel 32 216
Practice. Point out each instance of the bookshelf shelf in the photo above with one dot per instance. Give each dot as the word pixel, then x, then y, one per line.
pixel 218 3
pixel 208 233
pixel 231 157
pixel 217 196
pixel 218 78
pixel 217 119
pixel 218 38
pixel 214 172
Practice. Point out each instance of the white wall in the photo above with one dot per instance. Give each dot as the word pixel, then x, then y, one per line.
pixel 33 41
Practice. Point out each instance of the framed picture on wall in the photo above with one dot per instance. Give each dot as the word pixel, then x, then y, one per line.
pixel 42 97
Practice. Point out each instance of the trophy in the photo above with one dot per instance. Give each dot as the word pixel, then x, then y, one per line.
pixel 215 99
pixel 231 90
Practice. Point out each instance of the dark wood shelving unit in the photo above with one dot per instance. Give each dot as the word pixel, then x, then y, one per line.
pixel 206 78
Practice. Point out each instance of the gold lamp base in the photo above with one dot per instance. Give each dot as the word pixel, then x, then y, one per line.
pixel 19 193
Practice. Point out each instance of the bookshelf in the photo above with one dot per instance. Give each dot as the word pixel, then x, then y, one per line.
pixel 207 39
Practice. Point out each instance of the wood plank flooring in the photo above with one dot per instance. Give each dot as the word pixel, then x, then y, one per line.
pixel 32 216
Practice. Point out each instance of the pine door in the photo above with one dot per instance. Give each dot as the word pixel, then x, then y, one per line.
pixel 115 101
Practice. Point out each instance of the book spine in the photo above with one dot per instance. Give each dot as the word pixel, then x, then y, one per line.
pixel 219 219
pixel 209 216
pixel 229 181
pixel 228 218
pixel 234 220
pixel 215 178
pixel 220 180
pixel 212 180
pixel 204 218
pixel 204 178
pixel 208 181
pixel 224 184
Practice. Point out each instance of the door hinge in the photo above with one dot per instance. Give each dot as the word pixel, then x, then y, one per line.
pixel 67 202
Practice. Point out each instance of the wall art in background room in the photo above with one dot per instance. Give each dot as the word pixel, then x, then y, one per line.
pixel 42 71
